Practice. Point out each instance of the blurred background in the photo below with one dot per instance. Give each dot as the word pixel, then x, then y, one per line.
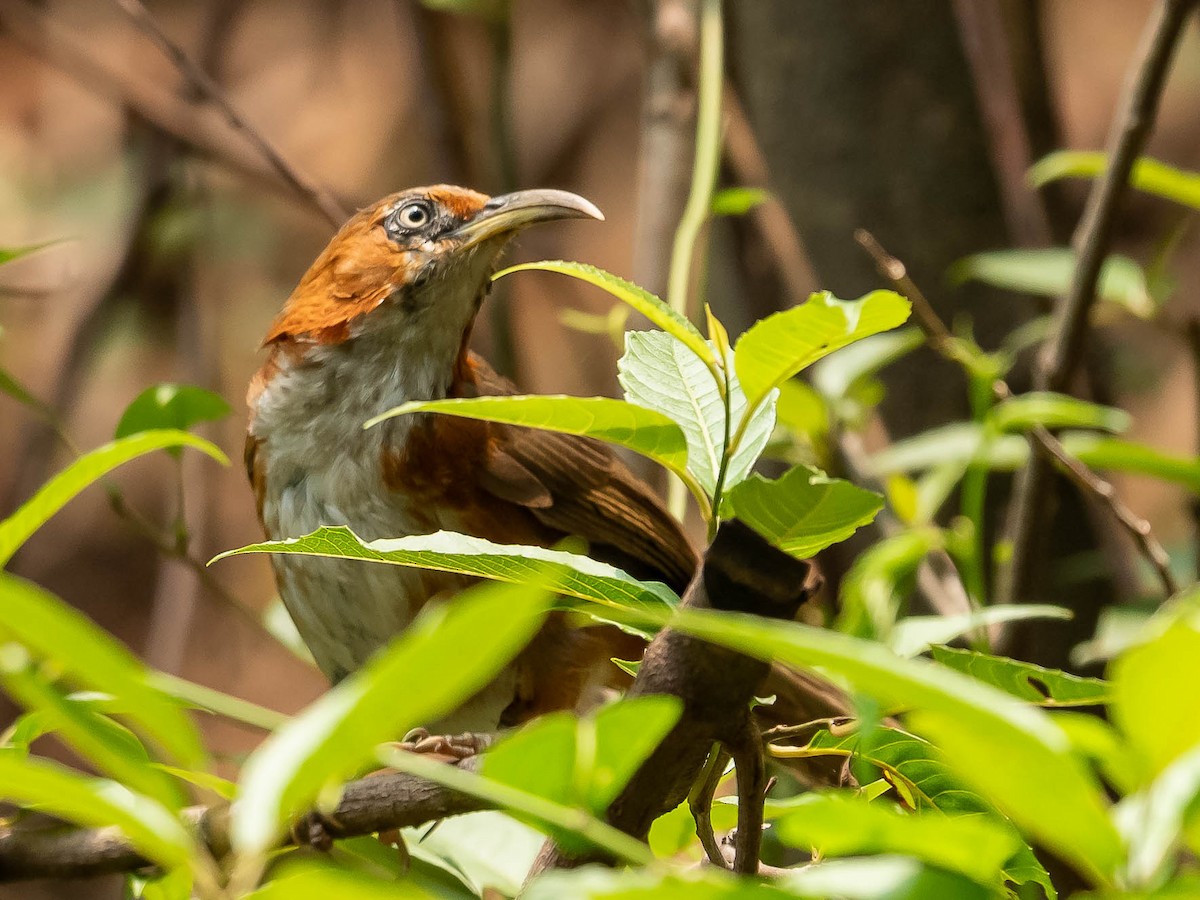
pixel 177 238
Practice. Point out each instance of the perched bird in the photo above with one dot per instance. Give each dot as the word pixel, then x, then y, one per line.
pixel 384 316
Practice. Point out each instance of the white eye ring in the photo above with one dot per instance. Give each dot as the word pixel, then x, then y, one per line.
pixel 414 215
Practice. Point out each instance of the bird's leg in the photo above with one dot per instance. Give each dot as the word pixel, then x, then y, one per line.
pixel 316 830
pixel 454 746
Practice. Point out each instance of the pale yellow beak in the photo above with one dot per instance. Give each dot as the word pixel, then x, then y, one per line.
pixel 508 213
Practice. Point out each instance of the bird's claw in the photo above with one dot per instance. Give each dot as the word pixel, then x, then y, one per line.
pixel 315 830
pixel 454 746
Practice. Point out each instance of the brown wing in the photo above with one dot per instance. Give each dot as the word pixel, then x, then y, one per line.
pixel 577 486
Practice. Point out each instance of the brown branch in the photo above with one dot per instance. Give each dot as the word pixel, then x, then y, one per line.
pixel 209 138
pixel 1088 482
pixel 376 803
pixel 207 88
pixel 1060 357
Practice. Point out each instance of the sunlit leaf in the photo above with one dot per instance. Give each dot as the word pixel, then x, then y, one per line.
pixel 485 849
pixel 318 880
pixel 609 591
pixel 641 430
pixel 90 658
pixel 778 347
pixel 804 511
pixel 1022 412
pixel 878 581
pixel 178 406
pixel 58 791
pixel 661 374
pixel 1048 272
pixel 1046 687
pixel 879 878
pixel 598 883
pixel 1148 174
pixel 802 410
pixel 59 490
pixel 335 737
pixel 914 634
pixel 640 300
pixel 841 824
pixel 1152 820
pixel 835 376
pixel 1013 753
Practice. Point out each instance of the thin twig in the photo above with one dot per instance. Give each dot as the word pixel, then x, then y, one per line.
pixel 941 340
pixel 700 802
pixel 1061 355
pixel 1192 332
pixel 200 81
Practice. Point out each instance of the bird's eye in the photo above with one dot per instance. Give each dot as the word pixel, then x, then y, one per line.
pixel 414 215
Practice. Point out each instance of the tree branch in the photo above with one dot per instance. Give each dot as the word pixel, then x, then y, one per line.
pixel 1060 356
pixel 376 803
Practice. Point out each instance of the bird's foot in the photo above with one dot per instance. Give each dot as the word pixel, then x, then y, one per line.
pixel 315 830
pixel 456 747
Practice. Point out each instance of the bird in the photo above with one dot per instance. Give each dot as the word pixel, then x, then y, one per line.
pixel 384 316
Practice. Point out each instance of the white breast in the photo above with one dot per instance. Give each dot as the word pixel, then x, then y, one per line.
pixel 321 468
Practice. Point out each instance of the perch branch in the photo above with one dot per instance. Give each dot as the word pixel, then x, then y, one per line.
pixel 369 805
pixel 1088 482
pixel 1060 356
pixel 207 88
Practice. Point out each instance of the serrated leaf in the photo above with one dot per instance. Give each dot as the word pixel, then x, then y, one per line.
pixel 1011 752
pixel 778 347
pixel 737 201
pixel 628 425
pixel 178 406
pixel 90 658
pixel 640 300
pixel 95 802
pixel 659 373
pixel 804 511
pixel 1048 272
pixel 1046 687
pixel 913 635
pixel 1149 175
pixel 335 737
pixel 1051 410
pixel 59 490
pixel 611 593
pixel 835 824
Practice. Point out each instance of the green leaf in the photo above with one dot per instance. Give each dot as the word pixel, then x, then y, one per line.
pixel 335 737
pixel 485 849
pixel 8 254
pixel 583 762
pixel 836 376
pixel 609 592
pixel 840 824
pixel 111 748
pixel 877 583
pixel 1048 272
pixel 1148 175
pixel 1155 702
pixel 804 511
pixel 640 300
pixel 1099 742
pixel 599 883
pixel 1046 687
pixel 1013 753
pixel 913 635
pixel 177 406
pixel 59 490
pixel 17 391
pixel 90 658
pixel 737 201
pixel 641 430
pixel 802 410
pixel 1153 820
pixel 880 878
pixel 661 374
pixel 779 346
pixel 174 885
pixel 58 791
pixel 1024 411
pixel 319 880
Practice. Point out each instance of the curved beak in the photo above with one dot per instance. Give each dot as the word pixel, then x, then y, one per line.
pixel 509 213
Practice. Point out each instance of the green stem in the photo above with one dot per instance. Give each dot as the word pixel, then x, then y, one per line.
pixel 708 154
pixel 218 703
pixel 974 488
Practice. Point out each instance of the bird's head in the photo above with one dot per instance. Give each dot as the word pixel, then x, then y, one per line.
pixel 422 255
